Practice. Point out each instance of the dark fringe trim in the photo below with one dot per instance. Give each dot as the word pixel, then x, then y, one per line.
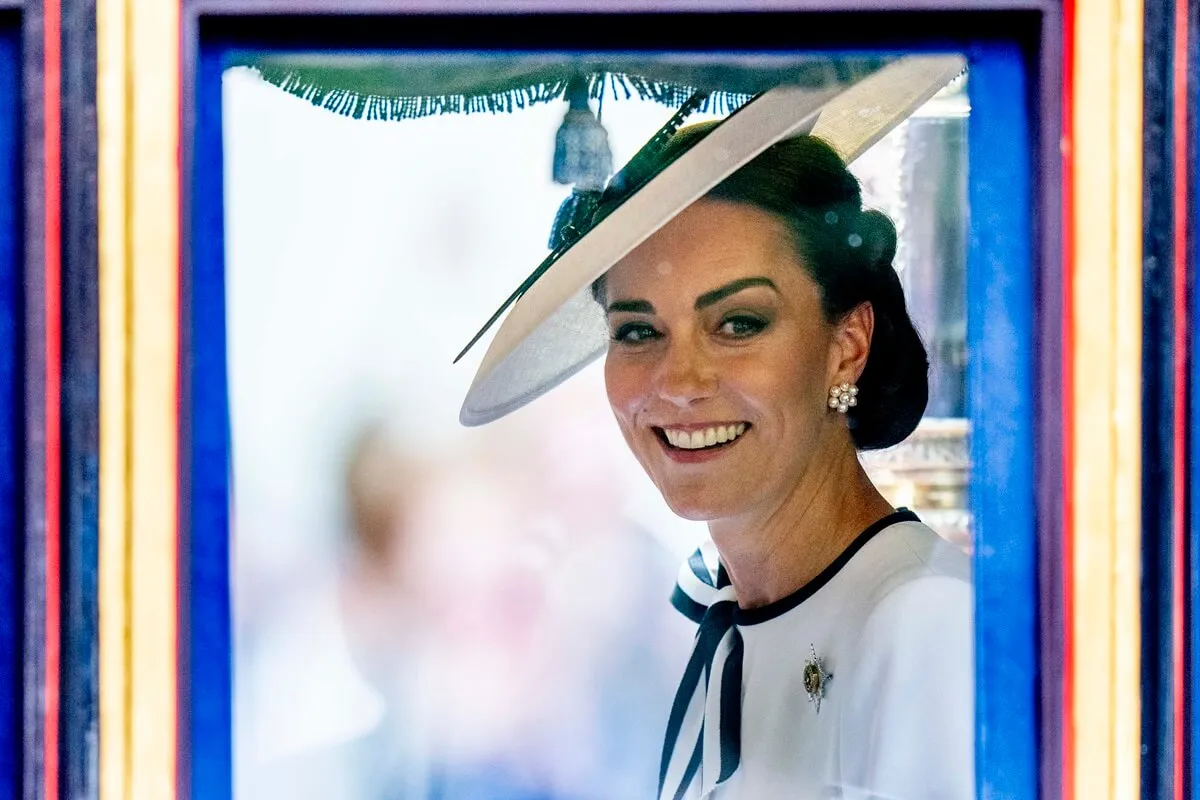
pixel 382 108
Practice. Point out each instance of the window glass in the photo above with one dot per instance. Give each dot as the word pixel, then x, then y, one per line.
pixel 424 610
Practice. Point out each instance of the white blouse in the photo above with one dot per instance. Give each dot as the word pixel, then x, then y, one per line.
pixel 860 686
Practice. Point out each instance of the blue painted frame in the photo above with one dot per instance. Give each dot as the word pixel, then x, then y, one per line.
pixel 206 639
pixel 1002 319
pixel 12 197
pixel 1159 755
pixel 1001 309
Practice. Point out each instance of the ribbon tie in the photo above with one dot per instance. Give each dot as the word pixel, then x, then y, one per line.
pixel 704 731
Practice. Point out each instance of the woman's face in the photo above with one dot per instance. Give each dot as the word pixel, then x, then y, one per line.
pixel 720 361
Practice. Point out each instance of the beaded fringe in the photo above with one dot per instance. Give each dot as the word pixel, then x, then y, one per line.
pixel 383 108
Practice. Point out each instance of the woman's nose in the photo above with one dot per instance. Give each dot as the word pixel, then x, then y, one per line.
pixel 685 375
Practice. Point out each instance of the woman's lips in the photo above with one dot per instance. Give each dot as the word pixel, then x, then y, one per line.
pixel 696 443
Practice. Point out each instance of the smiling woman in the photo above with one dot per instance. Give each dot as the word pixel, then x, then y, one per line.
pixel 751 353
pixel 758 339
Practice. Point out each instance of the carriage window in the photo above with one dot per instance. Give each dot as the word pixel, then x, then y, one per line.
pixel 425 610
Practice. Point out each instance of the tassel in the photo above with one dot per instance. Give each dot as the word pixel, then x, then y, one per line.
pixel 581 153
pixel 575 217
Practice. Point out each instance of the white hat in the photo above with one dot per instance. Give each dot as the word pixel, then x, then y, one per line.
pixel 556 328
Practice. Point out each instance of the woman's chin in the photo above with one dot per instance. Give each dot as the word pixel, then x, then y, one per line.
pixel 697 506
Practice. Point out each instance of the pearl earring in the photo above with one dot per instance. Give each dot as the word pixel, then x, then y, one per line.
pixel 843 397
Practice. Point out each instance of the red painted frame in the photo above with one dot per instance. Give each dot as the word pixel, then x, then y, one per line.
pixel 1068 399
pixel 52 144
pixel 42 68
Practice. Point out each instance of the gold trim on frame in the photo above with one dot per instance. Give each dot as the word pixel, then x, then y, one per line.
pixel 138 119
pixel 1106 457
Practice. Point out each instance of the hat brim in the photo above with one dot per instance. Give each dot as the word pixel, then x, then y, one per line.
pixel 556 329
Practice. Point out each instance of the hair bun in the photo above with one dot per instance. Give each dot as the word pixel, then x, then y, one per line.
pixel 878 236
pixel 895 381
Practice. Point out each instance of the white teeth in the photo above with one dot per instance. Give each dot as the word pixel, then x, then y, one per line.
pixel 694 440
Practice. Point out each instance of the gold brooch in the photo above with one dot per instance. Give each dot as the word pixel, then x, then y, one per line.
pixel 816 679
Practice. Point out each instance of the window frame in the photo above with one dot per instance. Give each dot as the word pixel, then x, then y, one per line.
pixel 1014 314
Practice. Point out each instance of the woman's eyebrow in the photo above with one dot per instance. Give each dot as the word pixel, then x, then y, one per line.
pixel 731 288
pixel 631 306
pixel 703 301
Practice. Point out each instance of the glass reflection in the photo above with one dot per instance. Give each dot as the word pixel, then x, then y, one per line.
pixel 423 612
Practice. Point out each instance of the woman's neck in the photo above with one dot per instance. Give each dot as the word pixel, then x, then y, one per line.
pixel 770 555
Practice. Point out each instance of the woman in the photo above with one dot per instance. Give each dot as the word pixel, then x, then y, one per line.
pixel 758 339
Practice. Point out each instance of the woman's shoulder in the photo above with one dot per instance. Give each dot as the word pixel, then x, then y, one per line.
pixel 909 564
pixel 914 597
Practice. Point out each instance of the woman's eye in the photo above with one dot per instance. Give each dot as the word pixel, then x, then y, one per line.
pixel 742 326
pixel 634 333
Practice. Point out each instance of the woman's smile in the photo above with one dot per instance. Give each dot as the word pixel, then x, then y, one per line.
pixel 691 444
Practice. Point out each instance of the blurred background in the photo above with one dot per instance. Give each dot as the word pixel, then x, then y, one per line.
pixel 428 611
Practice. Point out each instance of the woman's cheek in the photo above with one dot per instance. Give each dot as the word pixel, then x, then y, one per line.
pixel 621 384
pixel 626 387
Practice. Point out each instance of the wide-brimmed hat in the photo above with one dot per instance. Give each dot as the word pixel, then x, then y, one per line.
pixel 555 327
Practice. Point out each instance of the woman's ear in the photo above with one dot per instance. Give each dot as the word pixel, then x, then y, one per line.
pixel 851 344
